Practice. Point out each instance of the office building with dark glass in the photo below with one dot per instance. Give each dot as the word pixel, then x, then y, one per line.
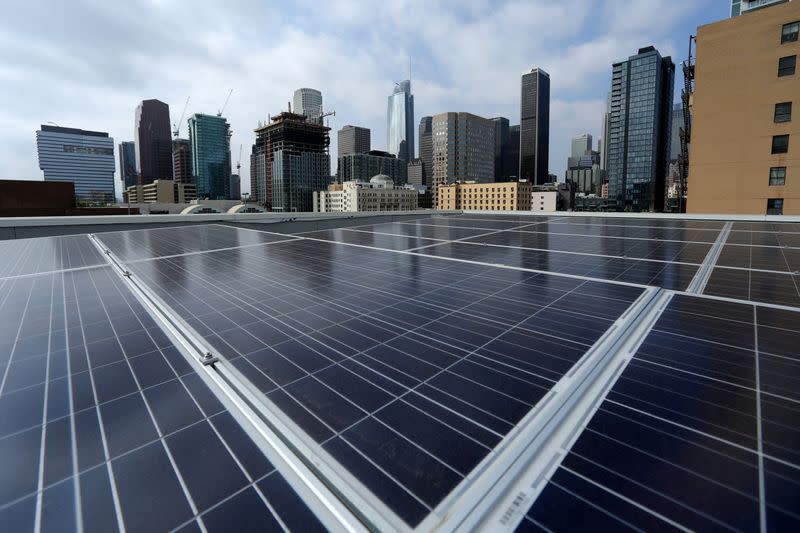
pixel 363 167
pixel 182 161
pixel 209 140
pixel 639 131
pixel 535 127
pixel 153 141
pixel 353 140
pixel 127 163
pixel 426 149
pixel 83 157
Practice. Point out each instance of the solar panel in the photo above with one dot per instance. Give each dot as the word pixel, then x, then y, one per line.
pixel 699 432
pixel 390 364
pixel 104 425
pixel 479 371
pixel 47 254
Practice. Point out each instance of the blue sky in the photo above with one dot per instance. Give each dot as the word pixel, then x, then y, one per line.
pixel 88 63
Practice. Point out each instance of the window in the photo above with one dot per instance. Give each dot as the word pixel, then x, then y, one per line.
pixel 783 112
pixel 780 144
pixel 789 32
pixel 775 206
pixel 786 65
pixel 777 176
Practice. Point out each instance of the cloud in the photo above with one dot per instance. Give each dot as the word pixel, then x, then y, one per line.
pixel 88 63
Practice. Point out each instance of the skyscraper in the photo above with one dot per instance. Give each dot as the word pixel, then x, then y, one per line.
pixel 639 131
pixel 85 158
pixel 426 149
pixel 153 141
pixel 581 144
pixel 127 163
pixel 353 140
pixel 463 149
pixel 210 143
pixel 289 162
pixel 308 102
pixel 511 156
pixel 400 122
pixel 500 146
pixel 363 167
pixel 182 161
pixel 604 139
pixel 535 127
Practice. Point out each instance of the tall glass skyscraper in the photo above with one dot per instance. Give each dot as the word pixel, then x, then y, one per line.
pixel 127 163
pixel 400 122
pixel 534 143
pixel 426 148
pixel 85 158
pixel 639 131
pixel 153 141
pixel 308 102
pixel 210 144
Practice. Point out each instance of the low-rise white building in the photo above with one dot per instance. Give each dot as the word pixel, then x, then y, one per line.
pixel 377 194
pixel 544 201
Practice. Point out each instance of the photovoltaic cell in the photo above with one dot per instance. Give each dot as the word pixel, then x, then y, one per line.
pixel 147 244
pixel 696 423
pixel 47 254
pixel 104 425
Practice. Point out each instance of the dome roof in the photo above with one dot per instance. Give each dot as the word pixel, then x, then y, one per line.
pixel 381 179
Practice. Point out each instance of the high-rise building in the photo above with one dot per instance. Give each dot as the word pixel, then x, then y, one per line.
pixel 511 159
pixel 182 161
pixel 362 167
pixel 535 127
pixel 674 136
pixel 83 157
pixel 289 162
pixel 501 135
pixel 235 187
pixel 210 144
pixel 603 145
pixel 353 140
pixel 127 163
pixel 745 132
pixel 153 141
pixel 308 102
pixel 426 149
pixel 463 149
pixel 416 172
pixel 400 122
pixel 739 7
pixel 639 131
pixel 581 145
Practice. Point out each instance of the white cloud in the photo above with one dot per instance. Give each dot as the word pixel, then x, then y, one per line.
pixel 88 63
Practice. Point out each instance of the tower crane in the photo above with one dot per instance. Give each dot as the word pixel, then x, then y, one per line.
pixel 177 130
pixel 219 113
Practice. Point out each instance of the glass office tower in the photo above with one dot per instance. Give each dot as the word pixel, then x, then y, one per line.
pixel 400 122
pixel 210 144
pixel 127 163
pixel 639 131
pixel 534 148
pixel 83 157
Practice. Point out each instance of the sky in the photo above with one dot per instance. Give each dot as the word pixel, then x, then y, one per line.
pixel 87 64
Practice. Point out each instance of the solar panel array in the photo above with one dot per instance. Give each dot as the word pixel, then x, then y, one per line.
pixel 409 365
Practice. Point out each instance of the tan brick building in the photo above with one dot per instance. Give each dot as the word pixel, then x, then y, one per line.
pixel 745 139
pixel 509 196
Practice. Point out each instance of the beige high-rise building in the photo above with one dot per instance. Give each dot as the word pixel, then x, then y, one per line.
pixel 463 149
pixel 745 139
pixel 506 196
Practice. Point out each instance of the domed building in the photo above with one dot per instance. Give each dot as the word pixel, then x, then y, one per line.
pixel 377 194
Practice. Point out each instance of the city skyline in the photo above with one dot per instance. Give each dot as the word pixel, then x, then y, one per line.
pixel 481 80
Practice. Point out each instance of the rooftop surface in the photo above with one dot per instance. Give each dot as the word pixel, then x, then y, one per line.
pixel 478 370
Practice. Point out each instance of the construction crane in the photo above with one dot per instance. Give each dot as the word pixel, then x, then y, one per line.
pixel 324 114
pixel 177 130
pixel 219 113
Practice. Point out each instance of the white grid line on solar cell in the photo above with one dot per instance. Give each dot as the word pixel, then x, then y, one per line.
pixel 477 236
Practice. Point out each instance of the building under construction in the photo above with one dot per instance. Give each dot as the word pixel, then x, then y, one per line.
pixel 289 162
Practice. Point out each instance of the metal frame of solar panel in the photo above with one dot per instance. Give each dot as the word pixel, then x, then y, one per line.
pixel 490 371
